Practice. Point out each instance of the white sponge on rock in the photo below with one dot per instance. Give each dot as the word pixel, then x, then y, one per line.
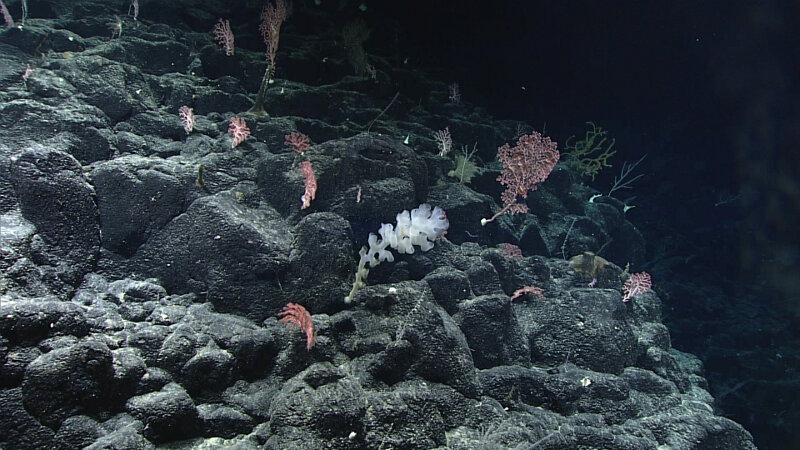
pixel 420 227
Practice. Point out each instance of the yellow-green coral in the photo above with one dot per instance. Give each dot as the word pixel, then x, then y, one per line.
pixel 465 169
pixel 591 153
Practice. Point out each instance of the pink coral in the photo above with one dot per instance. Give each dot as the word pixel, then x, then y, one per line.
pixel 224 36
pixel 524 166
pixel 637 284
pixel 310 182
pixel 272 16
pixel 533 290
pixel 238 130
pixel 296 316
pixel 187 118
pixel 297 141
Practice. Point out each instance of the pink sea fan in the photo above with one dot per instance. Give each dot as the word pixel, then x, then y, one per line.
pixel 297 141
pixel 524 166
pixel 637 284
pixel 224 36
pixel 238 130
pixel 187 118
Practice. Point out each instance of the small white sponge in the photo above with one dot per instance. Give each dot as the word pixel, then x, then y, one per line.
pixel 420 227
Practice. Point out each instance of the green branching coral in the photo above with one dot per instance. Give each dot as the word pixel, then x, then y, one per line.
pixel 591 153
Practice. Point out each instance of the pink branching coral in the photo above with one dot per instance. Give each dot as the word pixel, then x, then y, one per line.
pixel 637 284
pixel 297 141
pixel 524 166
pixel 224 36
pixel 310 182
pixel 238 130
pixel 296 316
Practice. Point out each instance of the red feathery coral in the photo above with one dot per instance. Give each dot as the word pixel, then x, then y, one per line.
pixel 298 317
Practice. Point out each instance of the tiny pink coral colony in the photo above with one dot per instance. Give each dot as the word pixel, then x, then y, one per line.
pixel 296 316
pixel 187 118
pixel 637 284
pixel 224 36
pixel 297 141
pixel 238 131
pixel 310 182
pixel 532 290
pixel 524 166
